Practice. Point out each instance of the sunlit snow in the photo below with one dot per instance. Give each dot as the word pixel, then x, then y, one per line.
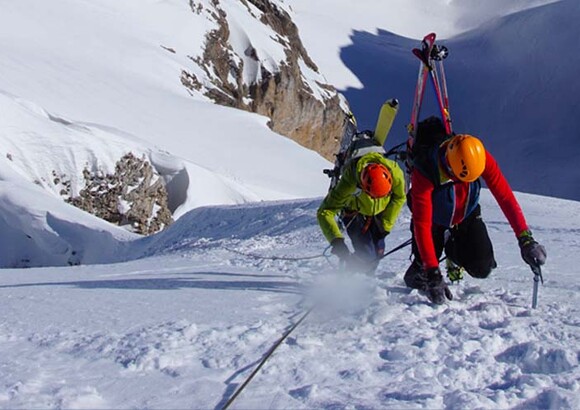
pixel 180 319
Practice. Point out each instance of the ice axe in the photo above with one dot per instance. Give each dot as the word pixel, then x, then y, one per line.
pixel 537 278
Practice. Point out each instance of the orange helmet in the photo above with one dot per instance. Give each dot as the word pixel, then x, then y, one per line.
pixel 465 157
pixel 376 180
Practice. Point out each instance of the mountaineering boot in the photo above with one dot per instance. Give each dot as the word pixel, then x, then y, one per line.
pixel 414 277
pixel 454 271
pixel 429 282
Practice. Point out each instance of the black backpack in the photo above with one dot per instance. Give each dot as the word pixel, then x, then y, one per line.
pixel 430 133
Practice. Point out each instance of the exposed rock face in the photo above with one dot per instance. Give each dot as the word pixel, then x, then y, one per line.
pixel 133 196
pixel 312 117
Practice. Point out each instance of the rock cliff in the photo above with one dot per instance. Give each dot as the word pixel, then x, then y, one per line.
pixel 291 92
pixel 133 196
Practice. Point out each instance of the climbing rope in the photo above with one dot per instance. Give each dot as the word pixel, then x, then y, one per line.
pixel 397 248
pixel 280 258
pixel 295 325
pixel 303 258
pixel 265 358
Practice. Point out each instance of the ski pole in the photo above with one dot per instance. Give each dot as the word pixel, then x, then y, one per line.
pixel 537 278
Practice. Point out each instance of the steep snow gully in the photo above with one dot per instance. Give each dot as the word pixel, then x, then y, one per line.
pixel 184 324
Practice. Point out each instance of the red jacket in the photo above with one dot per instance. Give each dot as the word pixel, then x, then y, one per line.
pixel 423 207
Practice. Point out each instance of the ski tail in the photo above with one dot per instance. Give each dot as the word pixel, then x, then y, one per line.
pixel 445 116
pixel 385 120
pixel 418 99
pixel 431 56
pixel 425 67
pixel 440 53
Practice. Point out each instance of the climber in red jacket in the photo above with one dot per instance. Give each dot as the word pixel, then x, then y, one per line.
pixel 444 201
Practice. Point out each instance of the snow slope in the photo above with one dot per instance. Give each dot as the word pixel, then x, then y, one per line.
pixel 41 150
pixel 511 77
pixel 110 66
pixel 83 94
pixel 179 319
pixel 185 326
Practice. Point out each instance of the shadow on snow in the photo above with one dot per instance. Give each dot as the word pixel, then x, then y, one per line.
pixel 173 284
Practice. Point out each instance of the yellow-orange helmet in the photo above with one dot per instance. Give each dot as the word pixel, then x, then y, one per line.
pixel 376 180
pixel 465 157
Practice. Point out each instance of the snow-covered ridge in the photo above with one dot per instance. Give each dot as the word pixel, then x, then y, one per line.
pixel 252 37
pixel 41 151
pixel 94 98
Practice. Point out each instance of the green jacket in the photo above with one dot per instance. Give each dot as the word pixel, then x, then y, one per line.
pixel 348 196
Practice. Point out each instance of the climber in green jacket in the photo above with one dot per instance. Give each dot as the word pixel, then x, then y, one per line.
pixel 367 199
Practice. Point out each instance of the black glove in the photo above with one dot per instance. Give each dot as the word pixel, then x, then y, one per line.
pixel 533 253
pixel 436 289
pixel 340 249
pixel 380 231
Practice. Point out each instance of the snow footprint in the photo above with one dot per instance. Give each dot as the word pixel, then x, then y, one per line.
pixel 533 358
pixel 492 315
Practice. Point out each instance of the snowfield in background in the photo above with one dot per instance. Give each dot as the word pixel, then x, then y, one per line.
pixel 125 81
pixel 185 326
pixel 72 99
pixel 327 26
pixel 511 77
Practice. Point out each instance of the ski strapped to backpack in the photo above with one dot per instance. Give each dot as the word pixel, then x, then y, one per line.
pixel 431 69
pixel 354 144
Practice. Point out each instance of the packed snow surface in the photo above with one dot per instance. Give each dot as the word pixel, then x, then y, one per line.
pixel 184 326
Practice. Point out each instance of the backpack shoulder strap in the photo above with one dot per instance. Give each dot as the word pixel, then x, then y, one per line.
pixel 425 161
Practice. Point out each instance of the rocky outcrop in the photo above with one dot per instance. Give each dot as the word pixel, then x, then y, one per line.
pixel 309 112
pixel 134 196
